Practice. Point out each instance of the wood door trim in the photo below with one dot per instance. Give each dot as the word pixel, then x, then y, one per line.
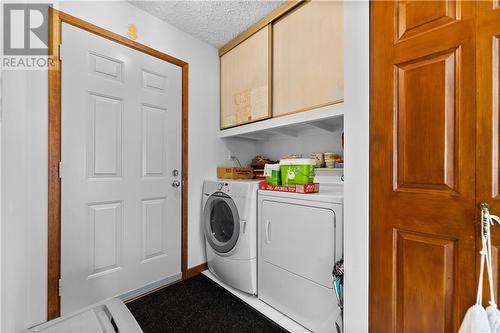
pixel 54 147
pixel 195 270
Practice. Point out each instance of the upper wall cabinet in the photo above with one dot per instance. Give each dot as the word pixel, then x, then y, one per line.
pixel 308 64
pixel 245 80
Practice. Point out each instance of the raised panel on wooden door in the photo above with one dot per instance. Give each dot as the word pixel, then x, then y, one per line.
pixel 496 116
pixel 308 58
pixel 425 120
pixel 154 228
pixel 105 146
pixel 414 17
pixel 105 67
pixel 105 229
pixel 495 251
pixel 154 122
pixel 495 181
pixel 424 296
pixel 154 81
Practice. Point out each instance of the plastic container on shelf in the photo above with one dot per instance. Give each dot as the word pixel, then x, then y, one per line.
pixel 297 171
pixel 273 174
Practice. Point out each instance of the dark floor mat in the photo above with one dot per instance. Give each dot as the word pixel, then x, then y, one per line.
pixel 198 305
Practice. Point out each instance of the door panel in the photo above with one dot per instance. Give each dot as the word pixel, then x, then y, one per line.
pixel 120 141
pixel 106 223
pixel 105 134
pixel 488 111
pixel 413 18
pixel 415 253
pixel 422 168
pixel 426 122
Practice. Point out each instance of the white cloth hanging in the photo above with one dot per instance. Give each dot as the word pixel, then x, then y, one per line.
pixel 492 309
pixel 477 319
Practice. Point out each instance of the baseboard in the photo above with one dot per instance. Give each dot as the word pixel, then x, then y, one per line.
pixel 143 291
pixel 148 289
pixel 193 271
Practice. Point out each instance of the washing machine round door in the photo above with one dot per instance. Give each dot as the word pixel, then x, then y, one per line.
pixel 221 222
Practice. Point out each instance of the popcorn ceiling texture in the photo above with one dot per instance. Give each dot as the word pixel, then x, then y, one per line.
pixel 216 22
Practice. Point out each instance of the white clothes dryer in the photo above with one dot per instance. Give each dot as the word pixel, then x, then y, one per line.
pixel 300 240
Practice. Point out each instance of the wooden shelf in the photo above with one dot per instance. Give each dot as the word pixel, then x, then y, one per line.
pixel 328 118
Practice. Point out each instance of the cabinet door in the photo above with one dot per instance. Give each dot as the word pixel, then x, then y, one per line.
pixel 245 81
pixel 308 63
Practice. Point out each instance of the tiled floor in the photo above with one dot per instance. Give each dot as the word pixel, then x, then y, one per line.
pixel 262 307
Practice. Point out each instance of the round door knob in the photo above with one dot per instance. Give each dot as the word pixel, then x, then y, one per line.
pixel 176 183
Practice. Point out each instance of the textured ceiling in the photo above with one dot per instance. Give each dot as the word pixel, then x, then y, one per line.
pixel 216 22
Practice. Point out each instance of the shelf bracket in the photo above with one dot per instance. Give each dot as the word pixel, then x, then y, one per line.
pixel 284 131
pixel 256 137
pixel 322 125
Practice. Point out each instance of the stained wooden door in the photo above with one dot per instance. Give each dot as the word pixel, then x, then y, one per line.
pixel 488 113
pixel 423 127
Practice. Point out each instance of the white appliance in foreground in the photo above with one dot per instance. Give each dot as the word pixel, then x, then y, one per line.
pixel 108 317
pixel 300 239
pixel 229 220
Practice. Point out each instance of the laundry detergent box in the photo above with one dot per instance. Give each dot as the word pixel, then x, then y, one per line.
pixel 297 171
pixel 272 172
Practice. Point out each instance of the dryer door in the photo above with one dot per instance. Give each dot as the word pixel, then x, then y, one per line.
pixel 221 222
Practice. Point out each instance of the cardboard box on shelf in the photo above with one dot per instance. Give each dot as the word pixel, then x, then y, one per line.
pixel 234 173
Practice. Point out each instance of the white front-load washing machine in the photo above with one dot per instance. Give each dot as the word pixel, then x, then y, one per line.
pixel 229 220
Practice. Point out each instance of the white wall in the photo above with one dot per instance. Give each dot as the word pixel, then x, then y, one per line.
pixel 356 153
pixel 24 155
pixel 243 149
pixel 312 140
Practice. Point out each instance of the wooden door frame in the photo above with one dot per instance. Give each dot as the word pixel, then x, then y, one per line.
pixel 54 146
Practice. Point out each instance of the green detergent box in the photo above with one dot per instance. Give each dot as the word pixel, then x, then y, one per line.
pixel 272 172
pixel 297 171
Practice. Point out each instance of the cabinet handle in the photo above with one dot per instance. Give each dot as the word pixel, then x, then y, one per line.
pixel 268 224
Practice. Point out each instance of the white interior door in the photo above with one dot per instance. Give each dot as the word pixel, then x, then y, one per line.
pixel 121 141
